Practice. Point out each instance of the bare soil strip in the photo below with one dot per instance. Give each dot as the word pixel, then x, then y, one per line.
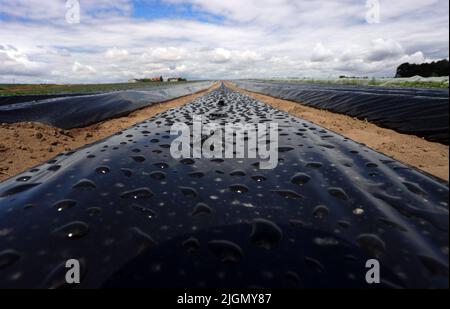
pixel 24 145
pixel 432 158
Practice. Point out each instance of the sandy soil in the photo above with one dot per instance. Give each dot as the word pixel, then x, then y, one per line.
pixel 24 145
pixel 432 158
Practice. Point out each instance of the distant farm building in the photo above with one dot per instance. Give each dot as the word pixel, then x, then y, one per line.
pixel 176 79
pixel 150 80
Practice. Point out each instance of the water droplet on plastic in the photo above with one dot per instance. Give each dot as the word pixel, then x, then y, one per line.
pixel 226 251
pixel 73 230
pixel 197 175
pixel 239 189
pixel 64 205
pixel 127 172
pixel 143 240
pixel 94 211
pixel 265 234
pixel 314 164
pixel 288 194
pixel 85 184
pixel 188 192
pixel 187 162
pixel 161 165
pixel 8 258
pixel 238 173
pixel 358 211
pixel 321 212
pixel 191 245
pixel 371 244
pixel 103 170
pixel 259 178
pixel 285 149
pixel 300 179
pixel 141 193
pixel 158 175
pixel 138 159
pixel 338 193
pixel 202 210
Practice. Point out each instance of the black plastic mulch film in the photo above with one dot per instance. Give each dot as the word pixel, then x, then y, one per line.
pixel 136 217
pixel 421 112
pixel 80 111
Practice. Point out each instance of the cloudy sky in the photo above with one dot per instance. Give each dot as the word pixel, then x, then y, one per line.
pixel 117 40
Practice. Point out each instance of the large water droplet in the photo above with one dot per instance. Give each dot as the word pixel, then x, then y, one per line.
pixel 238 173
pixel 138 159
pixel 189 192
pixel 103 170
pixel 161 165
pixel 226 251
pixel 85 184
pixel 64 205
pixel 141 193
pixel 338 193
pixel 314 264
pixel 158 175
pixel 54 168
pixel 239 188
pixel 73 230
pixel 259 178
pixel 23 178
pixel 265 234
pixel 191 245
pixel 94 211
pixel 187 161
pixel 371 244
pixel 285 149
pixel 293 277
pixel 142 240
pixel 196 175
pixel 321 212
pixel 288 194
pixel 8 257
pixel 202 210
pixel 300 179
pixel 314 164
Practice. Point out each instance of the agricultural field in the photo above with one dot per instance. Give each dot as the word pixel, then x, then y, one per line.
pixel 11 89
pixel 411 82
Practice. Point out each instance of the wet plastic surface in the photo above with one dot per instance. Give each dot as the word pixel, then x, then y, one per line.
pixel 81 111
pixel 421 112
pixel 136 217
pixel 8 100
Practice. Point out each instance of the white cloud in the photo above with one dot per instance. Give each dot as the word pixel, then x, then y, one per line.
pixel 15 62
pixel 257 38
pixel 116 53
pixel 220 55
pixel 165 54
pixel 382 49
pixel 321 53
pixel 82 69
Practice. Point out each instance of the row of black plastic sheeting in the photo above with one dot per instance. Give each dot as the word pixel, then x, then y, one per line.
pixel 421 112
pixel 69 112
pixel 135 216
